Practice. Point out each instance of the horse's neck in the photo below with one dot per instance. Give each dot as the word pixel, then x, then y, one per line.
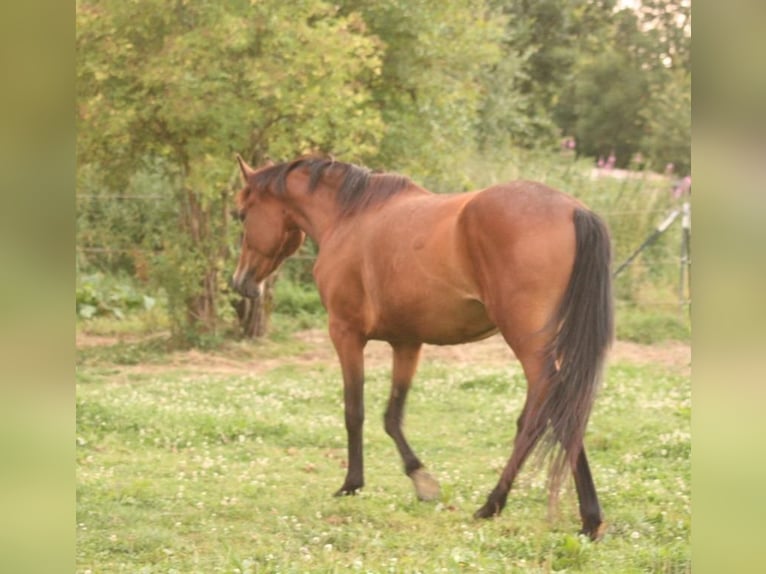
pixel 315 213
pixel 318 212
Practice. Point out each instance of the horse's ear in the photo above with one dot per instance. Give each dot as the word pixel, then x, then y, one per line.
pixel 246 170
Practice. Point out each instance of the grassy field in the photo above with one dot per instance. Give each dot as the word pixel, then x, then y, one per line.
pixel 226 462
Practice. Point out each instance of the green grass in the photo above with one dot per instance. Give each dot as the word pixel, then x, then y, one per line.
pixel 187 471
pixel 656 325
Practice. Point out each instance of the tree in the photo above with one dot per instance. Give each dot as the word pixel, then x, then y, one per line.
pixel 609 98
pixel 546 38
pixel 600 73
pixel 668 124
pixel 668 24
pixel 627 97
pixel 505 117
pixel 431 85
pixel 168 92
pixel 185 86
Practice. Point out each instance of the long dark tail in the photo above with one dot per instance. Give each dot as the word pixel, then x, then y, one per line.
pixel 576 353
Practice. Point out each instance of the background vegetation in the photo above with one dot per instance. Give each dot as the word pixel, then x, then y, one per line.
pixel 226 463
pixel 456 94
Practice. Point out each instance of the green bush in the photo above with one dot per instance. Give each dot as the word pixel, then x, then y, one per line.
pixel 98 294
pixel 294 298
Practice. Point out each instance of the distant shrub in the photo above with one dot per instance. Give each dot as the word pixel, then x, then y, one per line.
pixel 98 295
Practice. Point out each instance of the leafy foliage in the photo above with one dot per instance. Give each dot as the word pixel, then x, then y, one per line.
pixel 668 123
pixel 167 94
pixel 185 88
pixel 616 125
pixel 98 295
pixel 434 59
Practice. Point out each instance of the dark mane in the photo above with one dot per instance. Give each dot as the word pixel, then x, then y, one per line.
pixel 357 187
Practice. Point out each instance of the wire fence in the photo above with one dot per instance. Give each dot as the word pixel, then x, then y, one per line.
pixel 99 196
pixel 662 255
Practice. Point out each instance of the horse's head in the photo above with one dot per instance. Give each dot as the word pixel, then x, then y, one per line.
pixel 269 233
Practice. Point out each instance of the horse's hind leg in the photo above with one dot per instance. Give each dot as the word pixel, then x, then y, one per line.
pixel 590 509
pixel 530 429
pixel 405 362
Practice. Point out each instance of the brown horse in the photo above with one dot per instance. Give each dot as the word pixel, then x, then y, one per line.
pixel 400 264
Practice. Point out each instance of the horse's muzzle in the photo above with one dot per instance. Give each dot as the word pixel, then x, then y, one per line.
pixel 243 284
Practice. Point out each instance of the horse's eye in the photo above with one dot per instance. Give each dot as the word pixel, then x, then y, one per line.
pixel 241 216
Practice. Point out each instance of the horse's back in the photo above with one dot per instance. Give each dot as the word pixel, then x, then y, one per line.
pixel 518 211
pixel 433 267
pixel 522 204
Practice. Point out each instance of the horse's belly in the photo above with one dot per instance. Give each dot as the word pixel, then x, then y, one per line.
pixel 435 321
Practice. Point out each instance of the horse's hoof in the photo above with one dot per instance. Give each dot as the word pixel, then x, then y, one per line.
pixel 493 507
pixel 486 511
pixel 426 486
pixel 595 533
pixel 347 491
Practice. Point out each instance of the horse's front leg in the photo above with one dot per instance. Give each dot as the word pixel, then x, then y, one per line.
pixel 350 348
pixel 405 362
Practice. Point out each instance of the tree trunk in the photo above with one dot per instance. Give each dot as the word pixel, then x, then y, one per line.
pixel 201 308
pixel 255 314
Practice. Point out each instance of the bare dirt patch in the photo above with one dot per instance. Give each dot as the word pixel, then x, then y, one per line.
pixel 494 351
pixel 84 340
pixel 313 347
pixel 675 354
